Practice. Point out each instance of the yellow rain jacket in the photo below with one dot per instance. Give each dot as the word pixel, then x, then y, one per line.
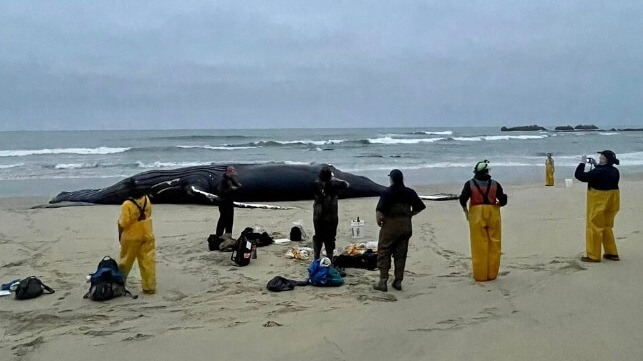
pixel 137 241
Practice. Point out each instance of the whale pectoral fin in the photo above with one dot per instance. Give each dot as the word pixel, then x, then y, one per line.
pixel 440 197
pixel 210 196
pixel 260 206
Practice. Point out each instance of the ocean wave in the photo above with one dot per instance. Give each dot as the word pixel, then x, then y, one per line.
pixel 608 133
pixel 279 143
pixel 446 132
pixel 210 147
pixel 389 140
pixel 76 165
pixel 82 151
pixel 159 164
pixel 196 137
pixel 498 137
pixel 9 166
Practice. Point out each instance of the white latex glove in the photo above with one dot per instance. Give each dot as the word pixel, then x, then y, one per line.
pixel 583 158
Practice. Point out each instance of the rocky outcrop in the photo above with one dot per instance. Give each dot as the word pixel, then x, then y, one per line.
pixel 565 128
pixel 527 128
pixel 627 130
pixel 585 127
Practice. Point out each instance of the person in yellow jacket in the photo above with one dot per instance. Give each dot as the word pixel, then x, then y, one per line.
pixel 603 203
pixel 486 196
pixel 549 171
pixel 136 237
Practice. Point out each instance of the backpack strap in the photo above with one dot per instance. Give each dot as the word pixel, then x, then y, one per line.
pixel 47 288
pixel 141 210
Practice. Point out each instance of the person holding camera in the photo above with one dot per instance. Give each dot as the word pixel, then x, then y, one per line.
pixel 603 203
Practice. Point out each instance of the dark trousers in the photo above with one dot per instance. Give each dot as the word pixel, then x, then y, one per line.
pixel 226 219
pixel 325 233
pixel 393 241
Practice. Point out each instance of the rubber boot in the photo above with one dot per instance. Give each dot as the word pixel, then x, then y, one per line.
pixel 397 284
pixel 381 285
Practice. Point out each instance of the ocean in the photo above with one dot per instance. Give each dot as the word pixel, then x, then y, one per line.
pixel 43 163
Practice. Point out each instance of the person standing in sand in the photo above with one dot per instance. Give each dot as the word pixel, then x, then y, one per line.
pixel 603 203
pixel 136 238
pixel 226 189
pixel 325 218
pixel 549 171
pixel 397 205
pixel 486 197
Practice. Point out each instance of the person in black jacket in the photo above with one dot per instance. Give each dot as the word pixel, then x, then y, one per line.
pixel 603 203
pixel 325 210
pixel 226 189
pixel 485 229
pixel 394 210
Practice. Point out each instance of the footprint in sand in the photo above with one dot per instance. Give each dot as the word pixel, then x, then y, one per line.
pixel 25 348
pixel 138 337
pixel 382 297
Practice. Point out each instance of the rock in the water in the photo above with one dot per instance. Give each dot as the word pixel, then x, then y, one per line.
pixel 586 127
pixel 565 128
pixel 526 128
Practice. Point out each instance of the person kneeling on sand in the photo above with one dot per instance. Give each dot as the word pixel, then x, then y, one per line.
pixel 483 215
pixel 136 237
pixel 394 210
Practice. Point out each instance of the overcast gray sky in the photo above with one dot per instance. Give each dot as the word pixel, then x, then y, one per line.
pixel 245 64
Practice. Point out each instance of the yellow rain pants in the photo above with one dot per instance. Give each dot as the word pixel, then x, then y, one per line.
pixel 549 174
pixel 137 243
pixel 486 233
pixel 602 207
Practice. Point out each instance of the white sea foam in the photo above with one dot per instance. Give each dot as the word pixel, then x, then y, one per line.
pixel 210 147
pixel 389 140
pixel 83 151
pixel 498 137
pixel 75 165
pixel 9 166
pixel 171 164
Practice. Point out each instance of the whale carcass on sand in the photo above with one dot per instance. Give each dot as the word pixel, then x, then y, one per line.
pixel 266 182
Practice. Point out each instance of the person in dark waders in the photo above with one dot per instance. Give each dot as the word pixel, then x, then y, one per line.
pixel 397 205
pixel 325 209
pixel 603 203
pixel 226 189
pixel 486 197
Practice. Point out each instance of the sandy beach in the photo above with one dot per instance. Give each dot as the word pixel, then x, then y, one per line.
pixel 546 305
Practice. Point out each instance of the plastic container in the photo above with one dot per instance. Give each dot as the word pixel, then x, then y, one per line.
pixel 568 182
pixel 357 229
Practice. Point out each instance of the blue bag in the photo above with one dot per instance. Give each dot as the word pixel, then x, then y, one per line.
pixel 324 276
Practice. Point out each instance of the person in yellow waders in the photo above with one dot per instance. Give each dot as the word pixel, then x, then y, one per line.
pixel 603 202
pixel 549 171
pixel 486 197
pixel 136 237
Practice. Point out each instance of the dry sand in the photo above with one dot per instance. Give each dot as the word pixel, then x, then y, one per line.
pixel 546 305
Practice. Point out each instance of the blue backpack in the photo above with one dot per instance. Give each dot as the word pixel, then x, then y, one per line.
pixel 325 276
pixel 107 282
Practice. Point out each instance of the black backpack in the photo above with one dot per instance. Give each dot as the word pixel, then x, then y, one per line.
pixel 295 234
pixel 107 282
pixel 31 287
pixel 243 252
pixel 259 239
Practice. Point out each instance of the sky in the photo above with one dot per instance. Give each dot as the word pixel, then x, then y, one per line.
pixel 281 64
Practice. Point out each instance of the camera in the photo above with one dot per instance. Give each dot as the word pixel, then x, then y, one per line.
pixel 591 160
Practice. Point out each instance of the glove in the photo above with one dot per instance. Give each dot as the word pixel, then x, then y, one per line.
pixel 583 158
